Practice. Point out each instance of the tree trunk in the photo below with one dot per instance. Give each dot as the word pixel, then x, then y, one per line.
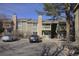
pixel 68 29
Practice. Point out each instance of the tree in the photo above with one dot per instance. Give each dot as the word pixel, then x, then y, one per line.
pixel 56 9
pixel 67 12
pixel 69 21
pixel 1 30
pixel 2 19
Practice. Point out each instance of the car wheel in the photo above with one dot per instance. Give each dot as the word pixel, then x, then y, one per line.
pixel 30 41
pixel 4 41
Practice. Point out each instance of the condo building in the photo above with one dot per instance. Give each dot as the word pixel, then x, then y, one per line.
pixel 45 28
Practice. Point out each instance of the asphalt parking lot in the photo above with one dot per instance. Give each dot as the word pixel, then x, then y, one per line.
pixel 24 48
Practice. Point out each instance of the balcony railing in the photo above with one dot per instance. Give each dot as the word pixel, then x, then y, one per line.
pixel 46 28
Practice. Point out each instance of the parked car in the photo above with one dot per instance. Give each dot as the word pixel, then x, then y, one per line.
pixel 9 38
pixel 34 38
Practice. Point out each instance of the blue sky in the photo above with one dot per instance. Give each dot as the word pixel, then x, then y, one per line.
pixel 27 10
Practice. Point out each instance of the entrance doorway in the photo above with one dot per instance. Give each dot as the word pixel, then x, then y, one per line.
pixel 53 30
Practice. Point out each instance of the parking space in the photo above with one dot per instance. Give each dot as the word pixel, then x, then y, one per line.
pixel 24 48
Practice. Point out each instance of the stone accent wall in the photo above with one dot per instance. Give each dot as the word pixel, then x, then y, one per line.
pixel 39 26
pixel 14 22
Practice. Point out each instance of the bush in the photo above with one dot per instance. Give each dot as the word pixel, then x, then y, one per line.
pixel 1 30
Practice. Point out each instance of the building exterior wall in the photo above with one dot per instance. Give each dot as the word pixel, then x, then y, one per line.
pixel 22 26
pixel 30 28
pixel 26 27
pixel 19 26
pixel 35 27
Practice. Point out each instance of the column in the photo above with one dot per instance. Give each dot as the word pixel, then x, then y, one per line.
pixel 39 26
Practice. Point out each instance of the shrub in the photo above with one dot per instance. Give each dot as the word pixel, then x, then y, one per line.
pixel 1 30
